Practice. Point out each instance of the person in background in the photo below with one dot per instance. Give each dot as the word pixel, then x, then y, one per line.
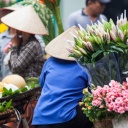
pixel 26 57
pixel 5 38
pixel 88 15
pixel 62 82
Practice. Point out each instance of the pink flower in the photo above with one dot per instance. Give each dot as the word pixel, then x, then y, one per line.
pixel 126 108
pixel 96 103
pixel 121 110
pixel 102 106
pixel 113 35
pixel 8 47
pixel 121 35
pixel 114 84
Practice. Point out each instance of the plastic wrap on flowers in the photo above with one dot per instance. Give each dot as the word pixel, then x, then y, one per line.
pixel 123 65
pixel 104 70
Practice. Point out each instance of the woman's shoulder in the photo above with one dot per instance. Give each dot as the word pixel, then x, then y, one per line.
pixel 50 60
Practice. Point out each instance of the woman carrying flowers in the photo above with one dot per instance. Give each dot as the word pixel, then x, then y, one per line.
pixel 62 82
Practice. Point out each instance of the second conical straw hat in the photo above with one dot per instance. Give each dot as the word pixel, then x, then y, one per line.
pixel 26 20
pixel 58 46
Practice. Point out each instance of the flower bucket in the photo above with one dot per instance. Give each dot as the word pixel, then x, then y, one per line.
pixel 120 124
pixel 106 123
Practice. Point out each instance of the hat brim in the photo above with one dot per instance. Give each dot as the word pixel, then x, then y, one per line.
pixel 26 22
pixel 58 46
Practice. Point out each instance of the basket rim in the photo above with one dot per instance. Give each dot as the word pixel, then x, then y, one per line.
pixel 15 96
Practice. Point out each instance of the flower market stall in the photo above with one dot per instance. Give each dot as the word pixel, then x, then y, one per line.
pixel 102 52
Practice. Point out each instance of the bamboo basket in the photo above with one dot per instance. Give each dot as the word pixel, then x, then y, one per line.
pixel 21 96
pixel 105 123
pixel 6 114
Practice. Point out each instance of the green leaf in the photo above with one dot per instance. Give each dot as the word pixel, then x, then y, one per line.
pixel 95 46
pixel 94 55
pixel 10 91
pixel 98 114
pixel 5 89
pixel 3 103
pixel 121 45
pixel 24 89
pixel 118 49
pixel 5 92
pixel 8 104
pixel 57 2
pixel 111 21
pixel 2 108
pixel 16 92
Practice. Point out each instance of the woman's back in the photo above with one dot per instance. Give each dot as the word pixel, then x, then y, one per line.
pixel 62 82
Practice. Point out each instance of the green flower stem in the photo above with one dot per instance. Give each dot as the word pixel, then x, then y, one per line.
pixel 58 20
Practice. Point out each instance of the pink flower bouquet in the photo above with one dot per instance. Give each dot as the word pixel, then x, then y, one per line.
pixel 109 101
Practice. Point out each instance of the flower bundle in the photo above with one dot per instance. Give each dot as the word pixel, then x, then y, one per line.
pixel 102 50
pixel 100 39
pixel 106 102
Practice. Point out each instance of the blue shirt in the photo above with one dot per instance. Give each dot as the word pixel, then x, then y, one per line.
pixel 62 82
pixel 78 17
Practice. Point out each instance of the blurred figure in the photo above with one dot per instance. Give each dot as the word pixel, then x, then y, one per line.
pixel 26 57
pixel 5 38
pixel 88 15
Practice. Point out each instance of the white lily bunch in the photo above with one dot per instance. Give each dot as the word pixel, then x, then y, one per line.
pixel 100 39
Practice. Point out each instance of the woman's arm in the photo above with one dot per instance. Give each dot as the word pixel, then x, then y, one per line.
pixel 27 55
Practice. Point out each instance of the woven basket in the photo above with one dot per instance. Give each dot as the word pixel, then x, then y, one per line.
pixel 21 96
pixel 106 123
pixel 6 114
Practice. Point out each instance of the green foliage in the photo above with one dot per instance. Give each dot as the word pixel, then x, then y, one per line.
pixel 4 106
pixel 31 83
pixel 4 4
pixel 92 112
pixel 54 7
pixel 100 40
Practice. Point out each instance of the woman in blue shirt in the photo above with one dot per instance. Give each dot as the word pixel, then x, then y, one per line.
pixel 62 81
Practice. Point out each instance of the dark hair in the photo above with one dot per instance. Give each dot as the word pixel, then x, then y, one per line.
pixel 86 1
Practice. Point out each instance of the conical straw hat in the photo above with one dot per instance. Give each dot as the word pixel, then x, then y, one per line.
pixel 58 46
pixel 26 20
